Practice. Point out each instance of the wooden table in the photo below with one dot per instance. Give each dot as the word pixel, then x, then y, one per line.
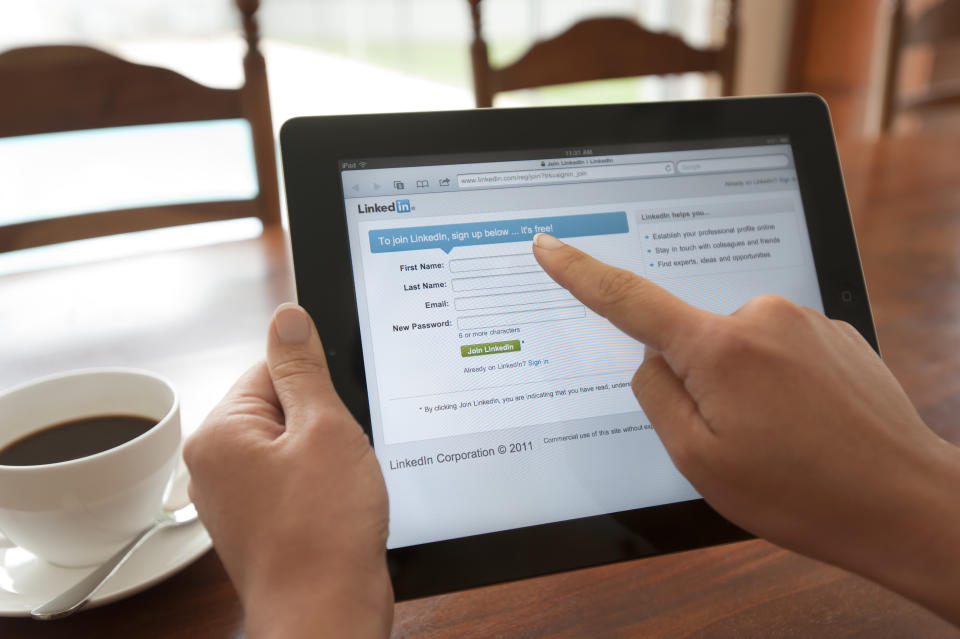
pixel 198 316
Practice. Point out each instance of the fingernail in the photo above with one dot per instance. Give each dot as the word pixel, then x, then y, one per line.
pixel 293 324
pixel 542 240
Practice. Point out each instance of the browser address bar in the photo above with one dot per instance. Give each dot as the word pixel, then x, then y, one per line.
pixel 536 177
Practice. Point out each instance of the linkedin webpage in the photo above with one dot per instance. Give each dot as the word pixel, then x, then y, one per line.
pixel 497 399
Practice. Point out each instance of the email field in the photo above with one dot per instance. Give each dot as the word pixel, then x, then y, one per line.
pixel 541 298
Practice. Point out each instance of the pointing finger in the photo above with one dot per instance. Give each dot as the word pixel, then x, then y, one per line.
pixel 632 303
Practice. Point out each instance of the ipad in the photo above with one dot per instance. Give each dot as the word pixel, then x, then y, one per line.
pixel 500 407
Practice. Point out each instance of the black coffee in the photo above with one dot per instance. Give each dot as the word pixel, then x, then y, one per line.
pixel 74 439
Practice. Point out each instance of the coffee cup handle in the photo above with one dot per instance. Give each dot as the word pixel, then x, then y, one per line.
pixel 175 494
pixel 5 541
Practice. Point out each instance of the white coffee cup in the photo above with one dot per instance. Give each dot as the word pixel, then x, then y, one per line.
pixel 79 512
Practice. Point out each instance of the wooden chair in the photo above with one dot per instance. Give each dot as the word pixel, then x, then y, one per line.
pixel 936 27
pixel 51 89
pixel 597 49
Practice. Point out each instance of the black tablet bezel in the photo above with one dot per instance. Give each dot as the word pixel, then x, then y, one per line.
pixel 312 149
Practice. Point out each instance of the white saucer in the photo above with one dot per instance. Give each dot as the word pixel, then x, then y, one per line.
pixel 27 581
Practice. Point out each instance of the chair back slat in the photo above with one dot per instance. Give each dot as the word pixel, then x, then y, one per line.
pixel 599 49
pixel 84 226
pixel 53 89
pixel 69 88
pixel 936 27
pixel 603 48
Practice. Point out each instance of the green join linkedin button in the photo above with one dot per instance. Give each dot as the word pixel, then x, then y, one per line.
pixel 490 349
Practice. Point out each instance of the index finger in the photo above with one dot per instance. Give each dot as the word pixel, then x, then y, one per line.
pixel 634 304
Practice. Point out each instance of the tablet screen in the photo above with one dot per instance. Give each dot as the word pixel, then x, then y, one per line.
pixel 497 400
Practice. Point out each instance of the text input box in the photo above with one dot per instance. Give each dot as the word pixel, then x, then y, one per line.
pixel 744 163
pixel 534 177
pixel 521 317
pixel 494 262
pixel 538 276
pixel 540 298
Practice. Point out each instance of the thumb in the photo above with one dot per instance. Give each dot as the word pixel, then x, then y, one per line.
pixel 297 364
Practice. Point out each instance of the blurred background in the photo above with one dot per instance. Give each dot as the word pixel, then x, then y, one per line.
pixel 337 51
pixel 355 56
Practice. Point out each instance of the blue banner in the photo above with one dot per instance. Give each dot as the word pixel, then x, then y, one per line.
pixel 446 237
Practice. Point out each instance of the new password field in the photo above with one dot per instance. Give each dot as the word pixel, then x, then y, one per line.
pixel 521 317
pixel 543 298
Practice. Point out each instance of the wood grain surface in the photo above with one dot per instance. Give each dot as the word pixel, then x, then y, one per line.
pixel 199 316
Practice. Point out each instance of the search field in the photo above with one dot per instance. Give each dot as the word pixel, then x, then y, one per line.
pixel 720 165
pixel 537 177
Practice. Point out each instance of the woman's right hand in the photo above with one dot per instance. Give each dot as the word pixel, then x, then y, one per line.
pixel 791 426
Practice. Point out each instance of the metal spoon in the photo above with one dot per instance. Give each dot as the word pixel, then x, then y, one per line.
pixel 75 597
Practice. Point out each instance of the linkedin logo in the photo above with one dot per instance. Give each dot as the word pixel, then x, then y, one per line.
pixel 399 206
